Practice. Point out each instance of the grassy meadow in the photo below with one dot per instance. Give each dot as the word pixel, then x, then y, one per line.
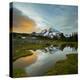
pixel 21 48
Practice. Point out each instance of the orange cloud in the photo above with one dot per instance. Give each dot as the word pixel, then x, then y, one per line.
pixel 21 23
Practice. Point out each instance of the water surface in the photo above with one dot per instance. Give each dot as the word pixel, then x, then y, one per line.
pixel 44 59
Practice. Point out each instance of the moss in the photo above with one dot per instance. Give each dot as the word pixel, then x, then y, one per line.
pixel 68 66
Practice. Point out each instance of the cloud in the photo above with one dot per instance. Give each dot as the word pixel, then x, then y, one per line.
pixel 22 23
pixel 61 17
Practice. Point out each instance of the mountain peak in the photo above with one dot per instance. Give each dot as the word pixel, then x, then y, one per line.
pixel 50 32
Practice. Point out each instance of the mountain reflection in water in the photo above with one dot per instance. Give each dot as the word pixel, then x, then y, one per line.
pixel 47 57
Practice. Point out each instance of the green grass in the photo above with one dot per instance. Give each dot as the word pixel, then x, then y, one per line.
pixel 68 66
pixel 19 73
pixel 21 48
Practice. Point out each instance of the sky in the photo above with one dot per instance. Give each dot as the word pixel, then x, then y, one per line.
pixel 32 17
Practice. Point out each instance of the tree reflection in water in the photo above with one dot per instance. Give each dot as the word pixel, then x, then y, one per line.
pixel 52 49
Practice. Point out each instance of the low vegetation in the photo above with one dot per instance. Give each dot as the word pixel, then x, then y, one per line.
pixel 68 66
pixel 21 47
pixel 19 73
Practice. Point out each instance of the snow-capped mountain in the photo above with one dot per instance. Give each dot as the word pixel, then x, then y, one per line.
pixel 50 32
